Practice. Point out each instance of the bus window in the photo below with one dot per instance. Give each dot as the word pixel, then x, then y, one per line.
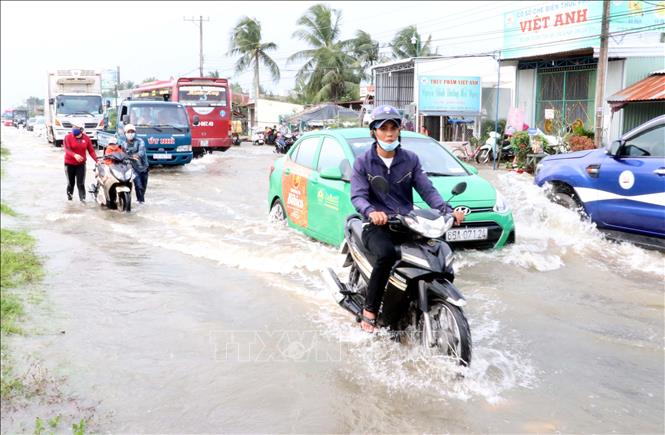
pixel 196 94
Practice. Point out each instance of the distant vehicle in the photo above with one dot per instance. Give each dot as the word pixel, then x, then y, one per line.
pixel 8 118
pixel 621 187
pixel 310 188
pixel 72 95
pixel 163 127
pixel 206 97
pixel 257 136
pixel 20 117
pixel 31 122
pixel 39 126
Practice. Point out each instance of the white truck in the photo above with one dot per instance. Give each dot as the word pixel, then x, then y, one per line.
pixel 73 95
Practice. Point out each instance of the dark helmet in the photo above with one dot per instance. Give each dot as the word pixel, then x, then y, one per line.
pixel 382 114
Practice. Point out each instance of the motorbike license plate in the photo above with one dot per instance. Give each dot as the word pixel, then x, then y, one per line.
pixel 464 234
pixel 161 156
pixel 204 143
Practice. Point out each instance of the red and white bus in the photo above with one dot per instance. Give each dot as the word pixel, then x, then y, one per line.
pixel 207 97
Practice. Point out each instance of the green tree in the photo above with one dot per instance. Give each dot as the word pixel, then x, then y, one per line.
pixel 149 79
pixel 214 74
pixel 34 105
pixel 408 43
pixel 127 84
pixel 328 70
pixel 246 43
pixel 365 51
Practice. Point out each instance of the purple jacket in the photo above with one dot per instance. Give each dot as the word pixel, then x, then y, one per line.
pixel 404 174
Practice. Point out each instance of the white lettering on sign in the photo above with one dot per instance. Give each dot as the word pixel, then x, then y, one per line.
pixel 207 123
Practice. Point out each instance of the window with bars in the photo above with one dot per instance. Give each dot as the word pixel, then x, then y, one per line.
pixel 570 92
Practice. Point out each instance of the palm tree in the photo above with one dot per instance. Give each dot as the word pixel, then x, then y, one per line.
pixel 408 43
pixel 327 72
pixel 365 50
pixel 246 42
pixel 213 74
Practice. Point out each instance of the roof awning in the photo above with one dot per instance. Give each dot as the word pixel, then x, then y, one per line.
pixel 650 89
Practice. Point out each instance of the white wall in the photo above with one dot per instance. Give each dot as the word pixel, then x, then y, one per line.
pixel 270 111
pixel 525 97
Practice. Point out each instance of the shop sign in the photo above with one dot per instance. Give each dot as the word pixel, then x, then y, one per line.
pixel 569 25
pixel 454 95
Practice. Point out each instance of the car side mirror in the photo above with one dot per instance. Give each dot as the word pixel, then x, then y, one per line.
pixel 347 170
pixel 614 148
pixel 196 120
pixel 331 174
pixel 51 100
pixel 125 119
pixel 101 109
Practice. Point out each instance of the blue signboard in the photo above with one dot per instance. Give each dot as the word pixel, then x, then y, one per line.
pixel 449 95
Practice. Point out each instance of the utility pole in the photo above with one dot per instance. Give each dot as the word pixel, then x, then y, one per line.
pixel 601 76
pixel 200 20
pixel 117 85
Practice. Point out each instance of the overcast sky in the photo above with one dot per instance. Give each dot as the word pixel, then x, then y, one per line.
pixel 152 39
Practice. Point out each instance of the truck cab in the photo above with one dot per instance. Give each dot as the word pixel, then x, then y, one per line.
pixel 163 126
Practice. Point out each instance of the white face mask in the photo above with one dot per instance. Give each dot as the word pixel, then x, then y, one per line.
pixel 130 136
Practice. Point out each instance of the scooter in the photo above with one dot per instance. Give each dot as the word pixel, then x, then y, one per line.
pixel 420 294
pixel 113 182
pixel 488 151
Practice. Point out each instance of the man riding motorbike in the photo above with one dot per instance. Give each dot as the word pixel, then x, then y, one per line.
pixel 402 169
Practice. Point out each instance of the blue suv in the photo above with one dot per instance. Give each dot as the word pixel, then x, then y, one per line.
pixel 621 187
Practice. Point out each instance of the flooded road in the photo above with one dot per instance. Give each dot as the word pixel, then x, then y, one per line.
pixel 195 314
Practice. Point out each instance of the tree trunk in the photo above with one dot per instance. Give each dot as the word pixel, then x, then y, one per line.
pixel 256 90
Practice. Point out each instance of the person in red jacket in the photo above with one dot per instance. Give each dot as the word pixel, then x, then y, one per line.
pixel 75 145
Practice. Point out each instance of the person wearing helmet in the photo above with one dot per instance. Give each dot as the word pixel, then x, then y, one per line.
pixel 135 148
pixel 402 169
pixel 75 145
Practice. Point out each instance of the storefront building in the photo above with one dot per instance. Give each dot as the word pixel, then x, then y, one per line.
pixel 449 97
pixel 555 49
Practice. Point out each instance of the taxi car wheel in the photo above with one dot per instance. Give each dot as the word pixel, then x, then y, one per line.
pixel 277 213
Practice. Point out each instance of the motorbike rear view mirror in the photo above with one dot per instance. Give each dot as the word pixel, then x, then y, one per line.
pixel 459 188
pixel 196 120
pixel 381 185
pixel 125 119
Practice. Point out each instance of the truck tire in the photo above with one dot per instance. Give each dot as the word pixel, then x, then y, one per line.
pixel 58 143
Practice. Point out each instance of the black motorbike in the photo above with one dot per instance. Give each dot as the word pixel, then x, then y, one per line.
pixel 420 295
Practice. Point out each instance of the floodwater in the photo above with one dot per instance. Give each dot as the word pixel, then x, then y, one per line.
pixel 195 314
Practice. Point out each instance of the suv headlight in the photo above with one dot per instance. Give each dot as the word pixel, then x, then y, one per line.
pixel 183 148
pixel 501 205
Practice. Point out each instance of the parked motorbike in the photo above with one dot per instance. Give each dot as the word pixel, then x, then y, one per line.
pixel 490 150
pixel 280 144
pixel 113 181
pixel 420 293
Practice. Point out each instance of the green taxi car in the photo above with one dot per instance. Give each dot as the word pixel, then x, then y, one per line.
pixel 310 188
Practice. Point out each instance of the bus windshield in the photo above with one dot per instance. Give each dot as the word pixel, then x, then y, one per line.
pixel 158 116
pixel 78 104
pixel 202 95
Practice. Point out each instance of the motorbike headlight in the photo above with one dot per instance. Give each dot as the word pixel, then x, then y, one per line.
pixel 183 148
pixel 501 205
pixel 432 229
